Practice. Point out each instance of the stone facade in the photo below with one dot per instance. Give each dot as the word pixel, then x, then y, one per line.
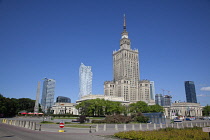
pixel 183 109
pixel 126 82
pixel 110 98
pixel 64 108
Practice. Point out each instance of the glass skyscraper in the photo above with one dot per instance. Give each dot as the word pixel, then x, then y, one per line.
pixel 48 93
pixel 85 80
pixel 62 99
pixel 152 90
pixel 190 92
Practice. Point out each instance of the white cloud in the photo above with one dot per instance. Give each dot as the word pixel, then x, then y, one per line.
pixel 203 95
pixel 205 89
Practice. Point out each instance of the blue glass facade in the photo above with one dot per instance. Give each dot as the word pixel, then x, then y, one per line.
pixel 190 92
pixel 48 93
pixel 62 99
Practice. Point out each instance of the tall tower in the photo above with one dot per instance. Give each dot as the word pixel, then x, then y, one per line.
pixel 126 73
pixel 85 80
pixel 48 93
pixel 36 107
pixel 190 92
pixel 125 60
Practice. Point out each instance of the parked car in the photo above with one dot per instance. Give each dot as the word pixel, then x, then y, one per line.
pixel 188 119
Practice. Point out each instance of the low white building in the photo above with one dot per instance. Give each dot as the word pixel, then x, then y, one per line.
pixel 110 98
pixel 183 109
pixel 64 108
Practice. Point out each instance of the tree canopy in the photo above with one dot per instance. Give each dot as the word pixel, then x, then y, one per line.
pixel 101 107
pixel 206 111
pixel 10 106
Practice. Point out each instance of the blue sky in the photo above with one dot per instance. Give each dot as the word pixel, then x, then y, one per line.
pixel 50 38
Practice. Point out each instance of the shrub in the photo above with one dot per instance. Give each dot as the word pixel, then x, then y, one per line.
pixel 139 117
pixel 165 134
pixel 82 119
pixel 117 119
pixel 98 121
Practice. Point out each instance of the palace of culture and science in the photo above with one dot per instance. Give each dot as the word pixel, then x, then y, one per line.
pixel 126 86
pixel 126 82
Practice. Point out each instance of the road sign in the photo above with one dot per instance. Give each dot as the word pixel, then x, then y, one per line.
pixel 61 125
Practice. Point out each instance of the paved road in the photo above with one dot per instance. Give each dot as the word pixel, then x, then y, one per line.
pixel 9 132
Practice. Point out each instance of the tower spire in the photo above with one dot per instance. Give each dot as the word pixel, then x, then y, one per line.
pixel 124 24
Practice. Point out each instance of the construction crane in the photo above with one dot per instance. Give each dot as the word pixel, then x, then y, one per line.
pixel 163 91
pixel 168 92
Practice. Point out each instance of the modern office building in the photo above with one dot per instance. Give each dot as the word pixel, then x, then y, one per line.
pixel 167 100
pixel 190 92
pixel 126 82
pixel 152 90
pixel 163 100
pixel 159 99
pixel 48 93
pixel 62 99
pixel 85 80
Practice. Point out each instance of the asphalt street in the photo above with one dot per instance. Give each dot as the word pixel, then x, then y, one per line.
pixel 9 132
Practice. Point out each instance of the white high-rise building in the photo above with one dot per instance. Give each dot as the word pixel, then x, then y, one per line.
pixel 85 80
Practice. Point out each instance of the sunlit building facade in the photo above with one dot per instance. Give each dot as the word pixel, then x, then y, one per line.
pixel 85 80
pixel 126 82
pixel 190 92
pixel 48 93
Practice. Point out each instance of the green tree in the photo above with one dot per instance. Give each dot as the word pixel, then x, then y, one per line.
pixel 139 106
pixel 26 104
pixel 155 108
pixel 206 111
pixel 99 107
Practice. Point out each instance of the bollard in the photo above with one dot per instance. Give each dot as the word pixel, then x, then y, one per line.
pixel 140 127
pixel 96 127
pixel 21 123
pixel 30 125
pixel 105 127
pixel 90 129
pixel 177 125
pixel 7 121
pixel 147 126
pixel 14 122
pixel 124 127
pixel 10 122
pixel 191 125
pixel 155 126
pixel 200 125
pixel 182 125
pixel 187 125
pixel 204 125
pixel 40 127
pixel 161 125
pixel 166 125
pixel 116 127
pixel 133 127
pixel 34 126
pixel 27 124
pixel 172 125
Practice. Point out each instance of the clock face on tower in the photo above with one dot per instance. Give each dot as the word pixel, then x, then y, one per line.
pixel 124 36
